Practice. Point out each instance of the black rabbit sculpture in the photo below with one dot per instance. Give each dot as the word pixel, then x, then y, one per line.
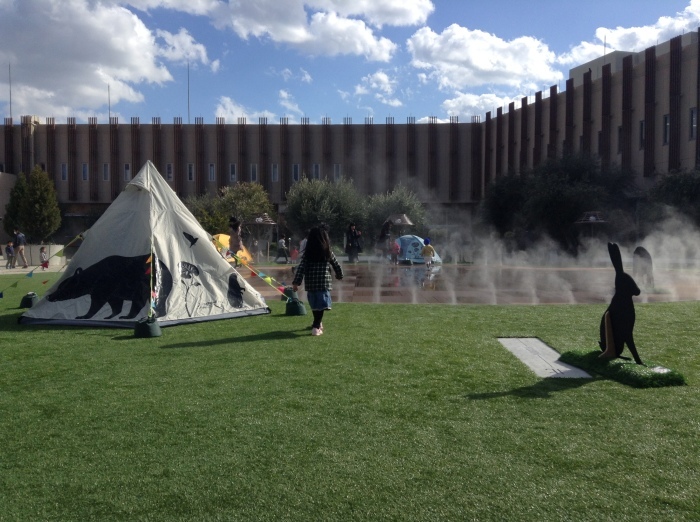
pixel 617 324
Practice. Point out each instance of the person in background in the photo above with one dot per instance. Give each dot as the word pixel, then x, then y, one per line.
pixel 352 243
pixel 395 250
pixel 428 252
pixel 315 270
pixel 10 255
pixel 385 238
pixel 282 250
pixel 256 251
pixel 235 239
pixel 302 244
pixel 19 243
pixel 44 258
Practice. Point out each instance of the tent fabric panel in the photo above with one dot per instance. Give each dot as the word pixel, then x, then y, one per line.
pixel 110 280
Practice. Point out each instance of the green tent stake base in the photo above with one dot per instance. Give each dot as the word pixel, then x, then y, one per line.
pixel 147 327
pixel 29 300
pixel 295 307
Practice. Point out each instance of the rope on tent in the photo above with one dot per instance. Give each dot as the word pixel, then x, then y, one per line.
pixel 60 253
pixel 244 261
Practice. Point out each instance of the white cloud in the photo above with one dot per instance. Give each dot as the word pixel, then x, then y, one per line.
pixel 286 74
pixel 305 76
pixel 467 104
pixel 322 33
pixel 83 47
pixel 182 48
pixel 380 12
pixel 459 57
pixel 231 111
pixel 432 119
pixel 380 81
pixel 195 7
pixel 634 38
pixel 382 86
pixel 333 35
pixel 361 90
pixel 286 100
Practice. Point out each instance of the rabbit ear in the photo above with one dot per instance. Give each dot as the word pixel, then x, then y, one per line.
pixel 615 257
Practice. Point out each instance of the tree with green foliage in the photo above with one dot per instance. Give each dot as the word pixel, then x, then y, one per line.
pixel 554 204
pixel 13 219
pixel 245 200
pixel 39 210
pixel 550 198
pixel 401 200
pixel 680 191
pixel 503 205
pixel 337 203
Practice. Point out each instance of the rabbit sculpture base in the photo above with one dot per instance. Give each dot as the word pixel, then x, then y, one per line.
pixel 617 324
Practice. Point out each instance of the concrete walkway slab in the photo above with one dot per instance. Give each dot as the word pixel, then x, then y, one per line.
pixel 540 358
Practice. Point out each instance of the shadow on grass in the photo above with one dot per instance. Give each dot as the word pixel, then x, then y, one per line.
pixel 263 336
pixel 541 390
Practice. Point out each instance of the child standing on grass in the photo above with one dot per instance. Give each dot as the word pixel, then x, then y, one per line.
pixel 315 269
pixel 10 255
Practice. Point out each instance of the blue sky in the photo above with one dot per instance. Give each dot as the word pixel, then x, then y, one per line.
pixel 307 58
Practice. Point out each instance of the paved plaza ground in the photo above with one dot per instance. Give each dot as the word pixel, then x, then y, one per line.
pixel 497 284
pixel 375 282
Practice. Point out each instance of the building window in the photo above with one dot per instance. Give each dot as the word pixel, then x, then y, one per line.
pixel 316 171
pixel 295 172
pixel 105 171
pixel 2 167
pixel 190 172
pixel 254 172
pixel 127 172
pixel 337 172
pixel 693 123
pixel 274 173
pixel 232 176
pixel 64 172
pixel 667 128
pixel 85 171
pixel 168 171
pixel 642 134
pixel 212 172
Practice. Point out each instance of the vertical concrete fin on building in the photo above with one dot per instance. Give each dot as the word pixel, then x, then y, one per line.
pixel 606 115
pixel 649 125
pixel 553 122
pixel 674 112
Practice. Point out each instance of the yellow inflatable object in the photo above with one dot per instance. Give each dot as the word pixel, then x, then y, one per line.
pixel 221 244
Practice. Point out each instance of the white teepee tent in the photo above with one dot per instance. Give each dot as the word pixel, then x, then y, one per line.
pixel 147 249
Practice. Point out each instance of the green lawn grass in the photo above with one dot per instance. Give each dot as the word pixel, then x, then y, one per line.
pixel 398 412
